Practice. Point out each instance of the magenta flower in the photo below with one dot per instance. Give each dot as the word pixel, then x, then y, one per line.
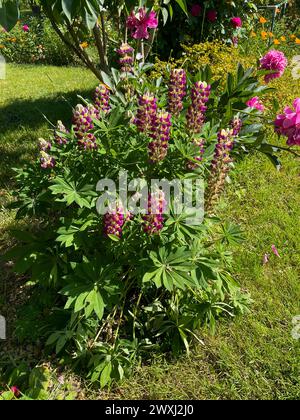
pixel 236 22
pixel 115 220
pixel 196 10
pixel 25 28
pixel 212 15
pixel 275 251
pixel 140 23
pixel 276 62
pixel 288 124
pixel 83 123
pixel 255 103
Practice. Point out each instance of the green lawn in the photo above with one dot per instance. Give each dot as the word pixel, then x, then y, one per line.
pixel 253 356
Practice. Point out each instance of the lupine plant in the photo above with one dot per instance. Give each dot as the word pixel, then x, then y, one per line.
pixel 117 286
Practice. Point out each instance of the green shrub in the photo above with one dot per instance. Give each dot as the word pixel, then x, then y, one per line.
pixel 34 41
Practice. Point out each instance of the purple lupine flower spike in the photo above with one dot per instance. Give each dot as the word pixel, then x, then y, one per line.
pixel 44 145
pixel 126 53
pixel 160 133
pixel 196 113
pixel 146 113
pixel 199 157
pixel 177 91
pixel 102 98
pixel 236 125
pixel 114 221
pixel 47 161
pixel 154 220
pixel 83 123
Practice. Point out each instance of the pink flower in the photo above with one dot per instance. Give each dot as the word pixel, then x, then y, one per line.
pixel 140 23
pixel 256 103
pixel 212 15
pixel 153 221
pixel 15 390
pixel 196 10
pixel 25 28
pixel 275 252
pixel 274 61
pixel 288 124
pixel 236 22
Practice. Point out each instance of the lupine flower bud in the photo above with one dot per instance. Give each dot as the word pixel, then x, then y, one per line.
pixel 154 220
pixel 115 220
pixel 220 166
pixel 199 157
pixel 88 142
pixel 47 161
pixel 102 98
pixel 236 125
pixel 177 91
pixel 195 115
pixel 146 113
pixel 44 145
pixel 126 57
pixel 160 133
pixel 59 130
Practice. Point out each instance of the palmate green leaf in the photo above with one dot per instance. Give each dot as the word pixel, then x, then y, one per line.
pixel 72 192
pixel 171 269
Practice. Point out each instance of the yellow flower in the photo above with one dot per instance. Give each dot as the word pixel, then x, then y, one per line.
pixel 13 39
pixel 283 38
pixel 276 42
pixel 271 35
pixel 264 34
pixel 262 20
pixel 84 45
pixel 2 46
pixel 293 36
pixel 252 34
pixel 297 40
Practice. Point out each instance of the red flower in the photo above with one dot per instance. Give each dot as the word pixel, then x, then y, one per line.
pixel 236 22
pixel 140 23
pixel 25 28
pixel 212 15
pixel 196 10
pixel 15 390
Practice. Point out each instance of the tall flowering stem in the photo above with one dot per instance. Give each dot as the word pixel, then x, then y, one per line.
pixel 196 113
pixel 146 114
pixel 160 133
pixel 154 219
pixel 220 167
pixel 177 91
pixel 102 98
pixel 126 57
pixel 83 123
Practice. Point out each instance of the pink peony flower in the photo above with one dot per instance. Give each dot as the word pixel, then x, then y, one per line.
pixel 255 103
pixel 212 15
pixel 236 22
pixel 274 61
pixel 196 10
pixel 25 28
pixel 288 124
pixel 140 23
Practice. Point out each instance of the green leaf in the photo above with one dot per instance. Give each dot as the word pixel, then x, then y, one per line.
pixel 9 14
pixel 105 375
